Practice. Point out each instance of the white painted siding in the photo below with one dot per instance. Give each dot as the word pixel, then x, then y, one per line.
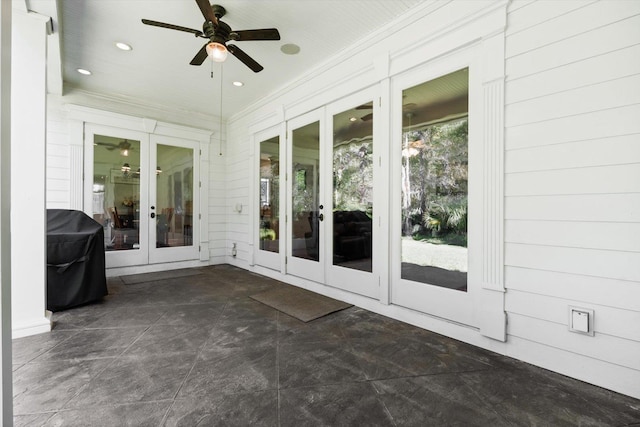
pixel 58 161
pixel 572 183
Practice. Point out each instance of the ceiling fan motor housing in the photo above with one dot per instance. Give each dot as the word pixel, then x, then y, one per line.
pixel 219 34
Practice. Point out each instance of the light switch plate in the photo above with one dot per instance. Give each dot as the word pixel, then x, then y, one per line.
pixel 581 320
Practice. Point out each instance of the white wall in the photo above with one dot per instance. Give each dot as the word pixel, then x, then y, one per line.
pixel 28 214
pixel 6 389
pixel 572 186
pixel 572 180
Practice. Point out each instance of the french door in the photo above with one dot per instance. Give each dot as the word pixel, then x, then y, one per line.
pixel 435 182
pixel 305 254
pixel 352 194
pixel 143 191
pixel 331 231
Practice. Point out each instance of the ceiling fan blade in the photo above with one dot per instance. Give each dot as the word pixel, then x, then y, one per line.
pixel 368 106
pixel 246 59
pixel 207 11
pixel 200 56
pixel 367 117
pixel 172 27
pixel 263 34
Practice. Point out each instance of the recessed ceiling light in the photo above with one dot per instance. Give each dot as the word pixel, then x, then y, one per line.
pixel 238 84
pixel 83 71
pixel 352 119
pixel 123 46
pixel 290 49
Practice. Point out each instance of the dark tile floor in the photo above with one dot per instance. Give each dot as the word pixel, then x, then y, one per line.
pixel 195 350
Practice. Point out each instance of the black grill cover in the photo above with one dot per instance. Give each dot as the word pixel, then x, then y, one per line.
pixel 75 259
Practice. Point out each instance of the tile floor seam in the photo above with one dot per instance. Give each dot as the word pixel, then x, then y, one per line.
pixel 382 402
pixel 115 359
pixel 195 360
pixel 47 351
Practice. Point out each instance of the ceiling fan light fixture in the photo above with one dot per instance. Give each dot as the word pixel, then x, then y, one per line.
pixel 217 51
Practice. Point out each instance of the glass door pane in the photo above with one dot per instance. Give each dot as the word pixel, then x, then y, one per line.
pixel 305 188
pixel 353 188
pixel 269 187
pixel 116 191
pixel 174 196
pixel 435 158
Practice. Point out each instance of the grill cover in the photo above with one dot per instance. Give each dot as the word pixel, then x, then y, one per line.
pixel 75 259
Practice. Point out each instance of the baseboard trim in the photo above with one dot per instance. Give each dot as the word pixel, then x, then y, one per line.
pixel 34 327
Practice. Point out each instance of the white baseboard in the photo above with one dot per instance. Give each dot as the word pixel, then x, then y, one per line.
pixel 25 329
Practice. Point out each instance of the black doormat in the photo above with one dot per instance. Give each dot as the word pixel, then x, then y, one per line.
pixel 134 279
pixel 299 303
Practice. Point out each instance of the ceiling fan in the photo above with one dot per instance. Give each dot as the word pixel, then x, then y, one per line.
pixel 219 34
pixel 123 146
pixel 369 106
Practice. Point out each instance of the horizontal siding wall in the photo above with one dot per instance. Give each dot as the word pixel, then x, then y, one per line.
pixel 58 162
pixel 572 179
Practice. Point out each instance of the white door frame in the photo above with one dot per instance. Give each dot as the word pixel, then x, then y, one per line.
pixel 129 257
pixel 356 281
pixel 453 305
pixel 308 269
pixel 177 253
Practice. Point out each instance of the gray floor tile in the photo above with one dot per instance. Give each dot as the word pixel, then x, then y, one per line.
pixel 93 344
pixel 32 420
pixel 436 400
pixel 232 370
pixel 242 333
pixel 192 314
pixel 166 340
pixel 223 409
pixel 399 356
pixel 317 363
pixel 132 379
pixel 134 415
pixel 354 404
pixel 48 386
pixel 197 350
pixel 28 348
pixel 130 317
pixel 526 396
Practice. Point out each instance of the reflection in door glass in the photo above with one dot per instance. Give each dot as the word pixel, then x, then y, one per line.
pixel 270 195
pixel 174 196
pixel 434 181
pixel 353 187
pixel 116 191
pixel 305 182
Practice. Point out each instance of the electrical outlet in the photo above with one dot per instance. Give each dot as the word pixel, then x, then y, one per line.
pixel 581 320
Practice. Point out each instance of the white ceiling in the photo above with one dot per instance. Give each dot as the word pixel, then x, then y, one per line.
pixel 157 70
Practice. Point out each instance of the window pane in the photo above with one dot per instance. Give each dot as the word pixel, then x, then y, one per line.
pixel 305 224
pixel 270 195
pixel 353 187
pixel 116 191
pixel 435 181
pixel 174 196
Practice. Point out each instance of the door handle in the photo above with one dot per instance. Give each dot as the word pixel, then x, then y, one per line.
pixel 153 214
pixel 321 217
